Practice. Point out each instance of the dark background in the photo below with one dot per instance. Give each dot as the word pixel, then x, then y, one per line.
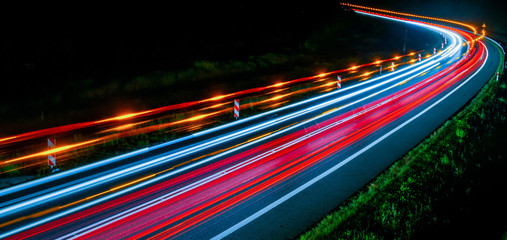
pixel 103 40
pixel 99 39
pixel 146 36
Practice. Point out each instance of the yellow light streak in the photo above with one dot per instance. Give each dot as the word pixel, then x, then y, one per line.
pixel 412 15
pixel 7 138
pixel 278 84
pixel 218 97
pixel 51 151
pixel 216 105
pixel 123 117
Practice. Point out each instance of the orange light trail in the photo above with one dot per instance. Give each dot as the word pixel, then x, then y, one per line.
pixel 124 117
pixel 51 151
pixel 412 15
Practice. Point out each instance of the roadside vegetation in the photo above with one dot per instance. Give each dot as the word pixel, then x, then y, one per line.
pixel 451 186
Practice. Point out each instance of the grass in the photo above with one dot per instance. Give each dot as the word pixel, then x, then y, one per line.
pixel 449 186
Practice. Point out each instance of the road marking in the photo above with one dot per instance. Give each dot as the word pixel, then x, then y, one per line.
pixel 401 83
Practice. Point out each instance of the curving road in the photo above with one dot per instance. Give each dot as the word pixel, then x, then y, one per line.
pixel 268 176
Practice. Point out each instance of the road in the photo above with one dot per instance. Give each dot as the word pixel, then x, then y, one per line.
pixel 268 176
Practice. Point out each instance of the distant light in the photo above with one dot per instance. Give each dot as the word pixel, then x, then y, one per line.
pixel 123 117
pixel 218 97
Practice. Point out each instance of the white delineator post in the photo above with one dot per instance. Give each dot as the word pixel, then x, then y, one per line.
pixel 236 108
pixel 51 157
pixel 392 66
pixel 434 51
pixel 445 40
pixel 339 82
pixel 442 45
pixel 497 74
pixel 419 57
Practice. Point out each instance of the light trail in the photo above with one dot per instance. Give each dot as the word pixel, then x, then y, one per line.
pixel 201 133
pixel 190 204
pixel 411 15
pixel 80 187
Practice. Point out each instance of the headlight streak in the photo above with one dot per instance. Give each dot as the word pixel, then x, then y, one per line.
pixel 431 64
pixel 144 150
pixel 92 228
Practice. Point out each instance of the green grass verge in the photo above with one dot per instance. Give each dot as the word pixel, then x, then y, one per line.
pixel 436 190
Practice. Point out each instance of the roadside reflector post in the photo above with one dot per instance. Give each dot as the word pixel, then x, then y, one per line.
pixel 442 45
pixel 339 82
pixel 419 57
pixel 434 51
pixel 236 108
pixel 445 40
pixel 497 74
pixel 52 157
pixel 392 66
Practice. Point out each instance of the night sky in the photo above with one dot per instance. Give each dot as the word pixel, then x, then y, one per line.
pixel 92 38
